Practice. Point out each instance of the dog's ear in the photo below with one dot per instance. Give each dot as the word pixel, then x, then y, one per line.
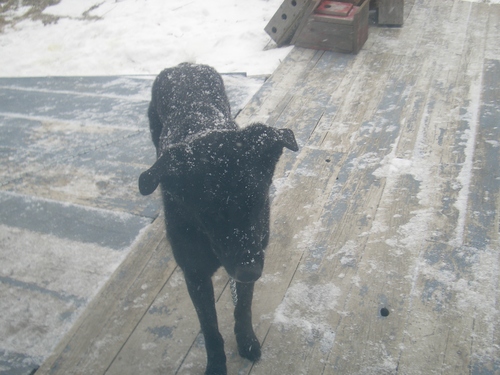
pixel 267 137
pixel 287 138
pixel 173 161
pixel 148 181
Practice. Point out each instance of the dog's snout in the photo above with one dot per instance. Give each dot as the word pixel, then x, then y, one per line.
pixel 247 274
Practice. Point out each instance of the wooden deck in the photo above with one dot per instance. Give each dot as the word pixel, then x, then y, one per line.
pixel 391 205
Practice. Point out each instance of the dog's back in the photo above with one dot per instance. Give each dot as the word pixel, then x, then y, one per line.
pixel 187 100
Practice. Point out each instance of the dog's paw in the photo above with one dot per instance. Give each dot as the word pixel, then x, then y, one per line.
pixel 217 369
pixel 249 347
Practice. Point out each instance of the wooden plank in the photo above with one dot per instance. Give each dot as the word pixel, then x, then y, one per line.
pixel 493 34
pixel 390 12
pixel 303 22
pixel 378 343
pixel 437 133
pixel 422 33
pixel 373 305
pixel 367 339
pixel 482 230
pixel 439 329
pixel 346 215
pixel 166 333
pixel 376 265
pixel 274 95
pixel 434 146
pixel 481 297
pixel 105 228
pixel 113 314
pixel 285 21
pixel 328 36
pixel 354 100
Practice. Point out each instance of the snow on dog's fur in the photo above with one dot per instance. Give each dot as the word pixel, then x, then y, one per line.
pixel 215 180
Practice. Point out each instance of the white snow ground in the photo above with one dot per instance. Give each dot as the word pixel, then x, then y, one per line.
pixel 115 37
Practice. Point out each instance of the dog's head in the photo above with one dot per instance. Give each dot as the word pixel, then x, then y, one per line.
pixel 222 180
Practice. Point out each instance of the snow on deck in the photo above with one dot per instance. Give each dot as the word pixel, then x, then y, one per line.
pixel 384 256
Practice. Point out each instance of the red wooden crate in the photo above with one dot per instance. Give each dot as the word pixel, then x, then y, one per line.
pixel 334 32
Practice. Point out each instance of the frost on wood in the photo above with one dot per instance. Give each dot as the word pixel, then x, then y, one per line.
pixel 306 308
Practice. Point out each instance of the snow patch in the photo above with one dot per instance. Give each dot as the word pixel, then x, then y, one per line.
pixel 493 143
pixel 307 236
pixel 57 282
pixel 465 175
pixel 271 279
pixel 348 254
pixel 305 172
pixel 365 161
pixel 176 279
pixel 471 294
pixel 308 308
pixel 280 185
pixel 393 166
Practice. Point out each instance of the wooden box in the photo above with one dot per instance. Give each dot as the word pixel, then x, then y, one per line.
pixel 285 21
pixel 334 26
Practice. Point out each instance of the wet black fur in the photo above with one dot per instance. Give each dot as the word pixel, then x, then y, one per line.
pixel 215 180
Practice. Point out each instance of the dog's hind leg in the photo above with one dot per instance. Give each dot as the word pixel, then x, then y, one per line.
pixel 201 291
pixel 248 344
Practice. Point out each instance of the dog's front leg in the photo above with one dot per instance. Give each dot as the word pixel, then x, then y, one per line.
pixel 201 291
pixel 248 344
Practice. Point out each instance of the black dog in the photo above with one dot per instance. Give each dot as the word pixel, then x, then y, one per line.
pixel 215 180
